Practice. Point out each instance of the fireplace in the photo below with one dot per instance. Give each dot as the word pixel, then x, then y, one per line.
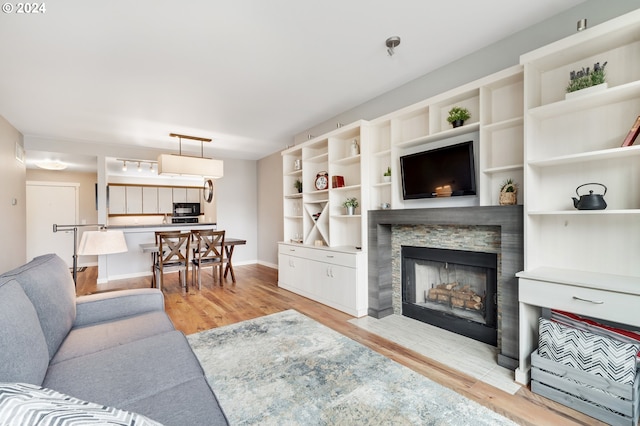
pixel 493 229
pixel 451 289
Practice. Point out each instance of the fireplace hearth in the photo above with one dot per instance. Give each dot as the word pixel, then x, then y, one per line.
pixel 451 289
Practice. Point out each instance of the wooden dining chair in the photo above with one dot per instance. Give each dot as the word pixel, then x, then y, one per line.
pixel 208 250
pixel 173 254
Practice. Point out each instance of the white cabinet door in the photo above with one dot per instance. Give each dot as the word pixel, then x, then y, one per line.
pixel 179 195
pixel 149 200
pixel 165 200
pixel 134 199
pixel 291 272
pixel 193 195
pixel 117 200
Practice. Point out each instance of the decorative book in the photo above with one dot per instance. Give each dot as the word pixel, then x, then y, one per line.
pixel 633 133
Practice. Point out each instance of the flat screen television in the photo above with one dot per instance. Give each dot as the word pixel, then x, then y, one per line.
pixel 425 171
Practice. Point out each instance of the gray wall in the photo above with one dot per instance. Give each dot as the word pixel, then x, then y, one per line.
pixel 270 210
pixel 481 63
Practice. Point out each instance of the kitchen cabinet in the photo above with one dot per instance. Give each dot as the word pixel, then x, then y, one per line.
pixel 117 200
pixel 165 200
pixel 149 200
pixel 134 199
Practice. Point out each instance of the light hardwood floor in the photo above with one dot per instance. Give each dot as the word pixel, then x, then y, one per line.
pixel 256 293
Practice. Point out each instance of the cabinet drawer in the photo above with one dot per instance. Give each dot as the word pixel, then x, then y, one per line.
pixel 319 254
pixel 609 305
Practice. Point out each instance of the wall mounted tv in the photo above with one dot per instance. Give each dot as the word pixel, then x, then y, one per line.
pixel 452 165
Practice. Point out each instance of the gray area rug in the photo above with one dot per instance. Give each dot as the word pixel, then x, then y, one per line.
pixel 287 369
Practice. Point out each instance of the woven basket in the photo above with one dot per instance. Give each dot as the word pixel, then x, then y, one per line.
pixel 508 198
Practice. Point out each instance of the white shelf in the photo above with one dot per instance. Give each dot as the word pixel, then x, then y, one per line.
pixel 381 184
pixel 346 188
pixel 505 124
pixel 355 159
pixel 467 128
pixel 584 212
pixel 293 196
pixel 321 158
pixel 347 216
pixel 502 169
pixel 294 173
pixel 611 95
pixel 605 154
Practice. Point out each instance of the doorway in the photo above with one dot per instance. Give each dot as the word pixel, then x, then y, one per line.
pixel 48 203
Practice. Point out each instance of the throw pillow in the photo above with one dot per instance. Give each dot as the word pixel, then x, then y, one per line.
pixel 26 404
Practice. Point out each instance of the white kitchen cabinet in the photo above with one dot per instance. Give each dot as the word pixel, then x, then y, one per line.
pixel 179 195
pixel 149 200
pixel 193 195
pixel 165 200
pixel 117 200
pixel 134 199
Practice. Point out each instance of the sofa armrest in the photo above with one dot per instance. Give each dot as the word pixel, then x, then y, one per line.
pixel 111 305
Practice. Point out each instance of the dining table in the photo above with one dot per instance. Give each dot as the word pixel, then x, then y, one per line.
pixel 229 246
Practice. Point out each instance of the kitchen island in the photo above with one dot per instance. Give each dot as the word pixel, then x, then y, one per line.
pixel 135 262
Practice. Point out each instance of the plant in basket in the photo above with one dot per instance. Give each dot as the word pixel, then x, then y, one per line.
pixel 508 193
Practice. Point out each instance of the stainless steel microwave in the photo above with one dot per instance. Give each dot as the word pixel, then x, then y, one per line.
pixel 186 209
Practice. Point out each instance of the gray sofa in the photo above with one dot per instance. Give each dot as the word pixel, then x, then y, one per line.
pixel 116 349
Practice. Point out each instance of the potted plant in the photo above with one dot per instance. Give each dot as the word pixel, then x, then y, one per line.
pixel 298 185
pixel 350 204
pixel 458 115
pixel 508 193
pixel 387 175
pixel 586 77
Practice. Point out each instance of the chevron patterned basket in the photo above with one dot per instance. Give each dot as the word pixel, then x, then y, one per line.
pixel 592 374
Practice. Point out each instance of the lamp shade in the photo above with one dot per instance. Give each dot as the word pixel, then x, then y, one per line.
pixel 102 242
pixel 169 164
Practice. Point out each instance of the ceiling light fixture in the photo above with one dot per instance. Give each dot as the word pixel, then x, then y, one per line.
pixel 392 43
pixel 172 164
pixel 124 166
pixel 52 165
pixel 139 167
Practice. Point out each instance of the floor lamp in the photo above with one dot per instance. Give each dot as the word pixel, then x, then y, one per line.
pixel 98 242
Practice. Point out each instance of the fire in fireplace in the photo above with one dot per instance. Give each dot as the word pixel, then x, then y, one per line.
pixel 451 289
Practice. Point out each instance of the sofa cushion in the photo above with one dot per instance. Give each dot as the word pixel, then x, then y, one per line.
pixel 126 373
pixel 24 355
pixel 200 405
pixel 26 404
pixel 48 283
pixel 86 340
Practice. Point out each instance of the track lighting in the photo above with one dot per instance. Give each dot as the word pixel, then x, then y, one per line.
pixel 152 164
pixel 392 43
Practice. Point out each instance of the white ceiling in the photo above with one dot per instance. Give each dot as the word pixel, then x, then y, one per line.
pixel 248 73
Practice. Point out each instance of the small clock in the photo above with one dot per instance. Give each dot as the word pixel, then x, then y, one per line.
pixel 322 180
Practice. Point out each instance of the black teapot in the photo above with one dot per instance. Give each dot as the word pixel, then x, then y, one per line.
pixel 590 201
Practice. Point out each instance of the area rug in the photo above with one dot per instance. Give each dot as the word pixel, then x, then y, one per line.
pixel 287 369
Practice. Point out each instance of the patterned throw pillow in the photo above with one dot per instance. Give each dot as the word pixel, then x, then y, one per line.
pixel 586 351
pixel 26 404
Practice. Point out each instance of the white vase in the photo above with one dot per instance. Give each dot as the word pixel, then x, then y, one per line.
pixel 386 178
pixel 351 210
pixel 586 91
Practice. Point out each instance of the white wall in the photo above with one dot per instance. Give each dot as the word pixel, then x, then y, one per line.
pixel 238 207
pixel 13 194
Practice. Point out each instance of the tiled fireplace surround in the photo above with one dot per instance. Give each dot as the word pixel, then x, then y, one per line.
pixel 494 229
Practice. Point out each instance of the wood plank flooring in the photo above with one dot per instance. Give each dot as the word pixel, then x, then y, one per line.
pixel 256 293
